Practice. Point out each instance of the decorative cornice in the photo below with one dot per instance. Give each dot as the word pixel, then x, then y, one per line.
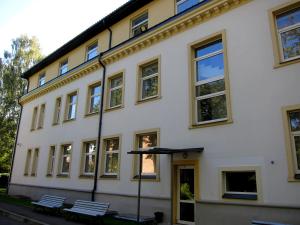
pixel 60 81
pixel 182 23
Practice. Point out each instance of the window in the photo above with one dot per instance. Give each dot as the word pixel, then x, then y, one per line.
pixel 34 118
pixel 139 24
pixel 89 158
pixel 291 116
pixel 182 5
pixel 149 80
pixel 35 162
pixel 92 51
pixel 285 27
pixel 57 109
pixel 94 98
pixel 63 67
pixel 65 161
pixel 210 86
pixel 27 163
pixel 150 162
pixel 41 116
pixel 51 161
pixel 239 185
pixel 115 91
pixel 42 79
pixel 111 157
pixel 71 106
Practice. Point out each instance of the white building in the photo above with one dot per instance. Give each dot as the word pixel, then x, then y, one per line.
pixel 220 74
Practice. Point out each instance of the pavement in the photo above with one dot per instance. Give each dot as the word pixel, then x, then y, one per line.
pixel 16 215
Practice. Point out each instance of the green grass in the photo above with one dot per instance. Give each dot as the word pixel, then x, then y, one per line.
pixel 13 200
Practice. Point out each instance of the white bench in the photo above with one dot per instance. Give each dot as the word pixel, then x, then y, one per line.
pixel 257 222
pixel 50 201
pixel 88 208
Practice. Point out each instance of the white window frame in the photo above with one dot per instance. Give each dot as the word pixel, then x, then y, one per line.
pixel 63 66
pixel 41 118
pixel 216 78
pixel 57 110
pixel 149 77
pixel 65 156
pixel 92 50
pixel 42 77
pixel 93 96
pixel 113 89
pixel 70 106
pixel 283 30
pixel 111 153
pixel 140 23
pixel 51 162
pixel 88 154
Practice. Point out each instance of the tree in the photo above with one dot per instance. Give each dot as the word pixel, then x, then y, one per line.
pixel 25 52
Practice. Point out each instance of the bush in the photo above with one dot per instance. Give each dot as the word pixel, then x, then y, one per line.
pixel 4 179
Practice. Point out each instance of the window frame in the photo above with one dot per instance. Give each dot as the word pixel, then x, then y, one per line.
pixel 35 159
pixel 57 111
pixel 149 177
pixel 279 60
pixel 240 196
pixel 39 79
pixel 146 21
pixel 27 166
pixel 41 117
pixel 84 174
pixel 108 91
pixel 182 1
pixel 62 64
pixel 192 47
pixel 89 98
pixel 34 119
pixel 140 79
pixel 293 173
pixel 51 160
pixel 95 43
pixel 68 104
pixel 103 174
pixel 60 173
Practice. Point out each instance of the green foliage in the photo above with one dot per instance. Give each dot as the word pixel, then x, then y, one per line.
pixel 25 52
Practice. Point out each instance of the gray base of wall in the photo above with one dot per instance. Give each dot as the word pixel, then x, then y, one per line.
pixel 213 213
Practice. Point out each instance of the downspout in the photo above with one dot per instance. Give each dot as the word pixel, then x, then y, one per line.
pixel 100 119
pixel 16 142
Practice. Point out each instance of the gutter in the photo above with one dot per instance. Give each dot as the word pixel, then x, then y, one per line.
pixel 100 119
pixel 16 142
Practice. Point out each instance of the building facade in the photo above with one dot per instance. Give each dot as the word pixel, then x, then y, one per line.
pixel 222 75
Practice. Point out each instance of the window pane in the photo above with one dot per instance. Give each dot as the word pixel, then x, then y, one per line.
pixel 66 164
pixel 73 99
pixel 186 184
pixel 187 211
pixel 150 87
pixel 67 149
pixel 150 69
pixel 89 164
pixel 96 90
pixel 209 88
pixel 297 151
pixel 95 104
pixel 116 97
pixel 147 141
pixel 210 48
pixel 291 43
pixel 115 82
pixel 210 67
pixel 295 120
pixel 212 108
pixel 288 19
pixel 140 19
pixel 111 163
pixel 90 148
pixel 149 163
pixel 186 4
pixel 112 144
pixel 240 182
pixel 92 51
pixel 72 112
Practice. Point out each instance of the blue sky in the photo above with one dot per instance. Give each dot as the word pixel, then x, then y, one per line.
pixel 53 22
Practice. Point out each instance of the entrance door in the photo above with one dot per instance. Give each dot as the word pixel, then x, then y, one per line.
pixel 185 195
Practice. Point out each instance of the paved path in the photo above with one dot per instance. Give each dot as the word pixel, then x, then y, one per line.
pixel 8 221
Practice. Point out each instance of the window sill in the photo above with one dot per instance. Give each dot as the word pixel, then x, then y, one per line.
pixel 211 124
pixel 152 178
pixel 286 63
pixel 114 108
pixel 154 98
pixel 86 176
pixel 109 177
pixel 240 196
pixel 62 176
pixel 70 120
pixel 91 114
pixel 297 177
pixel 49 175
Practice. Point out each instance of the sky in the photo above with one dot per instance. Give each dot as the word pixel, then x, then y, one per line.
pixel 53 22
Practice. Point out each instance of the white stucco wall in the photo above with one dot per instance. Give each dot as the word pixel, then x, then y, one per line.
pixel 255 138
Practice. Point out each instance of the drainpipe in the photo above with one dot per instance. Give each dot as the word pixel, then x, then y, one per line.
pixel 100 119
pixel 16 142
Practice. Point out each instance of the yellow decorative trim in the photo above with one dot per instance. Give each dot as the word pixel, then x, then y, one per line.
pixel 60 81
pixel 193 18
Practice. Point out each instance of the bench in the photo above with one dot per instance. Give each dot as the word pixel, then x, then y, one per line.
pixel 88 208
pixel 257 222
pixel 50 202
